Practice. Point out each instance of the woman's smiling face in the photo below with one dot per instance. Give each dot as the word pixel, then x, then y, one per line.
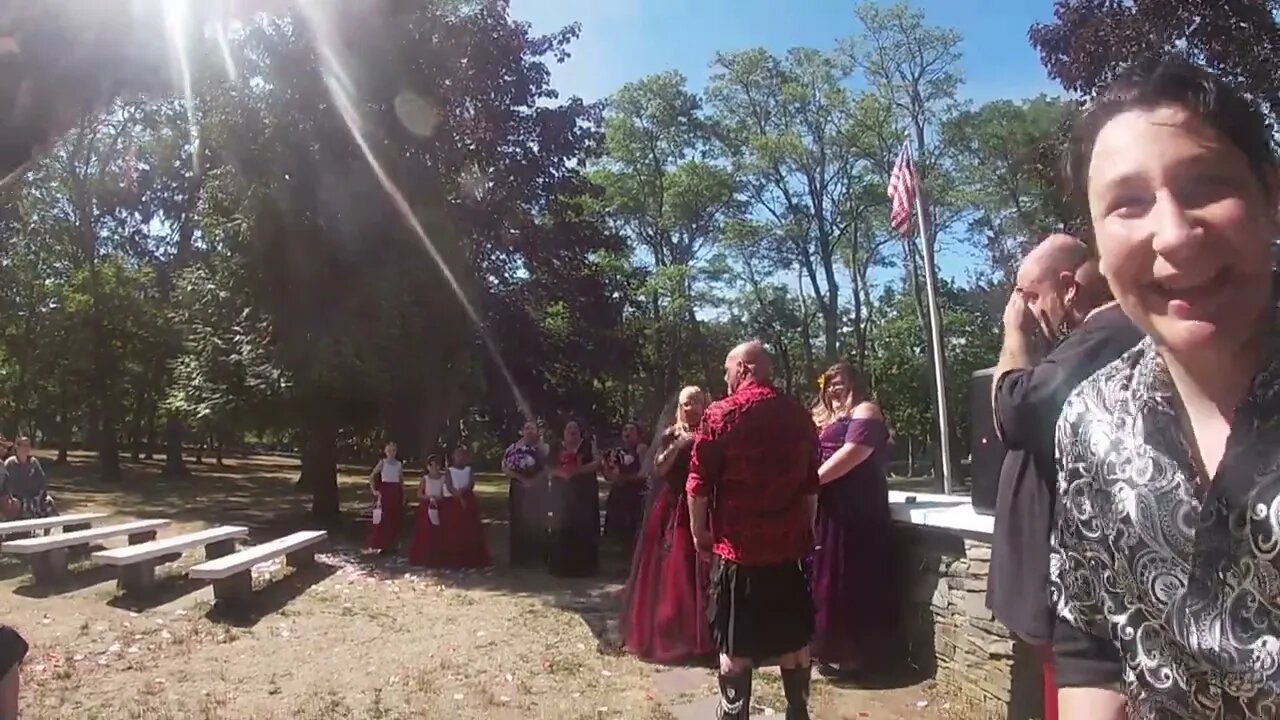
pixel 1183 228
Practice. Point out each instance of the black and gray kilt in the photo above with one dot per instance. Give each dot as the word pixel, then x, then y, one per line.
pixel 759 612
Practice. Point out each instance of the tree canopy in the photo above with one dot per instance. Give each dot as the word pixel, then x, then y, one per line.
pixel 350 222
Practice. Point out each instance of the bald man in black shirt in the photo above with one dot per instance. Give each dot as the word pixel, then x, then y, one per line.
pixel 1061 295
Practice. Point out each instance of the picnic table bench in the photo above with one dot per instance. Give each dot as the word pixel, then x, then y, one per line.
pixel 232 580
pixel 67 523
pixel 48 555
pixel 137 563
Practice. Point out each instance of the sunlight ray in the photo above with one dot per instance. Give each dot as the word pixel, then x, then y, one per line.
pixel 338 82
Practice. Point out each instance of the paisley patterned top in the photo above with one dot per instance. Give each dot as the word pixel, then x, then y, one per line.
pixel 1183 582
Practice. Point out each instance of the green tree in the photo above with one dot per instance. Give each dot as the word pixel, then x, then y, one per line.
pixel 664 192
pixel 902 377
pixel 788 125
pixel 997 153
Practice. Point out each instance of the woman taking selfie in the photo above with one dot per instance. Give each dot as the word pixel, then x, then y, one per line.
pixel 1164 567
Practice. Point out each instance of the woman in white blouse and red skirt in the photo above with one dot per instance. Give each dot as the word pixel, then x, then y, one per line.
pixel 468 548
pixel 387 482
pixel 429 546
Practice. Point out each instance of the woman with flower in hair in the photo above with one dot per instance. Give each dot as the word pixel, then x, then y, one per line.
pixel 852 565
pixel 664 615
pixel 625 507
pixel 525 464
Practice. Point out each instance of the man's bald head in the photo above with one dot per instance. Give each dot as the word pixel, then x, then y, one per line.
pixel 1060 282
pixel 1058 253
pixel 747 361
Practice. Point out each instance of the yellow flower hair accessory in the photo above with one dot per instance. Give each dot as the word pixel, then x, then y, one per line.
pixel 822 382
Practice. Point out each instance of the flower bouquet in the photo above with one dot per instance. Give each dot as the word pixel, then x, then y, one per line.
pixel 523 461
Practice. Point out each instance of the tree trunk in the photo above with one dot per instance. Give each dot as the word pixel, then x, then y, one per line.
pixel 911 458
pixel 320 466
pixel 108 448
pixel 64 437
pixel 151 437
pixel 831 310
pixel 174 465
pixel 217 451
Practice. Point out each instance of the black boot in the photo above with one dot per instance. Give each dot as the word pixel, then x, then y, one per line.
pixel 795 685
pixel 735 696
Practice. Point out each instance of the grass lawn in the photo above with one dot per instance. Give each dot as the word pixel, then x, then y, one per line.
pixel 357 637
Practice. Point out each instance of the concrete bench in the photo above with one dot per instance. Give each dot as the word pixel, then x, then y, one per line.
pixel 48 555
pixel 67 523
pixel 137 563
pixel 232 581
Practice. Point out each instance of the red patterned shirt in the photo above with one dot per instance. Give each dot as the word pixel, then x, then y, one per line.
pixel 756 456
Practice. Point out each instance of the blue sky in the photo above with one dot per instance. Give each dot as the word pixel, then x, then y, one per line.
pixel 624 40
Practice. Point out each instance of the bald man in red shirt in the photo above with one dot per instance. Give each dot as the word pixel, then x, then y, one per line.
pixel 754 477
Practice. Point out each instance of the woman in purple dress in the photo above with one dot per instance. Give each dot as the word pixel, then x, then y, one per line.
pixel 624 510
pixel 851 569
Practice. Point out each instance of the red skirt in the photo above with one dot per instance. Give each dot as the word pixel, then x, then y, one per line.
pixel 664 617
pixel 386 532
pixel 457 542
pixel 471 549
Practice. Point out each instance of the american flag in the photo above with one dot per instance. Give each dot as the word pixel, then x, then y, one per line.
pixel 902 191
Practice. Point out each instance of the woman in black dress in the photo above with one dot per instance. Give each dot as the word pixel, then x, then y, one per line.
pixel 575 502
pixel 525 465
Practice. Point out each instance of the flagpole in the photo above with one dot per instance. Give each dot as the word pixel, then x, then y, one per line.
pixel 935 331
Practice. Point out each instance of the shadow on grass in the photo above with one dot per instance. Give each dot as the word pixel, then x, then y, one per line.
pixel 166 590
pixel 76 581
pixel 11 567
pixel 257 492
pixel 271 598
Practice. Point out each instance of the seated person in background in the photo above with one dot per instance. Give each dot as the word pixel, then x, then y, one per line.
pixel 24 480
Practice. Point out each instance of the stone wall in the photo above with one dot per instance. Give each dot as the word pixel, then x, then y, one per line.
pixel 979 668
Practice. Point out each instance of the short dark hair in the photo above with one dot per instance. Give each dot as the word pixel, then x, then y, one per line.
pixel 1173 80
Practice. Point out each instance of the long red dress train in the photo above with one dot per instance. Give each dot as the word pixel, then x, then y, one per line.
pixel 664 612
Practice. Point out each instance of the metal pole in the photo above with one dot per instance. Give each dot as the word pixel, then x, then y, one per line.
pixel 935 331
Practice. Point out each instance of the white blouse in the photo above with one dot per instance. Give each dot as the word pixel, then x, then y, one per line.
pixel 435 486
pixel 391 470
pixel 462 480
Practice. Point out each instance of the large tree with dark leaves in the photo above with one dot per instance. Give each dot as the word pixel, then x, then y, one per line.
pixel 1090 41
pixel 373 320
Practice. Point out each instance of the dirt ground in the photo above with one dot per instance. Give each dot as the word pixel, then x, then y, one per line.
pixel 357 637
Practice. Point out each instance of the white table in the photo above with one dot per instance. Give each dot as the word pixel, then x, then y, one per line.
pixel 944 512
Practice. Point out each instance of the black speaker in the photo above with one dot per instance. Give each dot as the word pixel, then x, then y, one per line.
pixel 986 452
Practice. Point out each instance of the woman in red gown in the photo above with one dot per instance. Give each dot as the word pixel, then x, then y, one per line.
pixel 664 617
